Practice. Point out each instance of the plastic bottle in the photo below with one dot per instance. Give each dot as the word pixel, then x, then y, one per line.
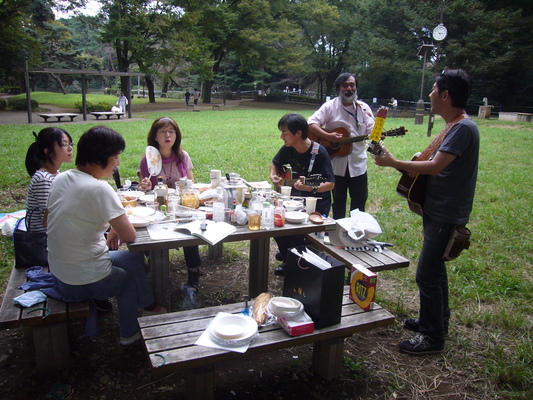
pixel 219 206
pixel 279 214
pixel 267 216
pixel 254 212
pixel 161 192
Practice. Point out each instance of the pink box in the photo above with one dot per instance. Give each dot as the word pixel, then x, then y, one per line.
pixel 296 326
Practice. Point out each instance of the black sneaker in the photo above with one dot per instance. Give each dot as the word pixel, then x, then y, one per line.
pixel 279 257
pixel 421 344
pixel 103 305
pixel 413 324
pixel 280 271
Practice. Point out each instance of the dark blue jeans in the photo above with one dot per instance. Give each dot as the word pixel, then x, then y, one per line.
pixel 432 280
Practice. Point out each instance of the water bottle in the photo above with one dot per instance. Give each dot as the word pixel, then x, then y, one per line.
pixel 267 216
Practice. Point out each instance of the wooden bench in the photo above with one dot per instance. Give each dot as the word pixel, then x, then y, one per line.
pixel 169 341
pixel 58 116
pixel 48 322
pixel 218 105
pixel 372 260
pixel 107 114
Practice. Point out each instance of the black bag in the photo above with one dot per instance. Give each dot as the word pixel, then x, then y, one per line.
pixel 319 290
pixel 30 247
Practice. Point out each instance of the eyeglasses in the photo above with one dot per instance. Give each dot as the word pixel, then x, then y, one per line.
pixel 170 133
pixel 71 144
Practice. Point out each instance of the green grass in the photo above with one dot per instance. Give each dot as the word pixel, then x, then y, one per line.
pixel 491 284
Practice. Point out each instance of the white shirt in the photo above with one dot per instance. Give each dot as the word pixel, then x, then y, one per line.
pixel 80 208
pixel 334 114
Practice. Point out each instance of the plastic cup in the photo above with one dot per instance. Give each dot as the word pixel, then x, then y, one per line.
pixel 154 205
pixel 286 190
pixel 310 204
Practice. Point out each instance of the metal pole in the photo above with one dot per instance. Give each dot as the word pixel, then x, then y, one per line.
pixel 28 95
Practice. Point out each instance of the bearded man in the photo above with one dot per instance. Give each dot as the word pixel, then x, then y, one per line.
pixel 353 117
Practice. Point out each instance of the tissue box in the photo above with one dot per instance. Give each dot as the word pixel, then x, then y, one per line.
pixel 363 286
pixel 298 325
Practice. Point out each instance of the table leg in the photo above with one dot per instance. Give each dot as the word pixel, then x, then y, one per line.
pixel 160 276
pixel 258 267
pixel 327 358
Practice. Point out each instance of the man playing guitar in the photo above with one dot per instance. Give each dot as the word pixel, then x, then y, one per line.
pixel 451 173
pixel 356 117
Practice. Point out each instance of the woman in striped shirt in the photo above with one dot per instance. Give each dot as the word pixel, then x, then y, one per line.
pixel 52 147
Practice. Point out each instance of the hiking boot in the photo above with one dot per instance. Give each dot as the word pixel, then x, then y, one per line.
pixel 421 344
pixel 413 324
pixel 280 271
pixel 193 280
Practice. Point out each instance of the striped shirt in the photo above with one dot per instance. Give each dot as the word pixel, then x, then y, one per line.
pixel 37 196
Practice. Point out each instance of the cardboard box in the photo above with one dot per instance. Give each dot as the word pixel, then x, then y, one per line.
pixel 363 286
pixel 298 325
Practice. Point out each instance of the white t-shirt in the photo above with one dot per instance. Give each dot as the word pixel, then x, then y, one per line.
pixel 80 208
pixel 333 114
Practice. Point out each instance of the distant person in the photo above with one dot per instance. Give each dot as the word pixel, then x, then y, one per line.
pixel 450 164
pixel 84 263
pixel 345 111
pixel 122 102
pixel 196 97
pixel 394 104
pixel 187 97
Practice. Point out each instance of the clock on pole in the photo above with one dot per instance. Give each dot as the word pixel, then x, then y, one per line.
pixel 440 32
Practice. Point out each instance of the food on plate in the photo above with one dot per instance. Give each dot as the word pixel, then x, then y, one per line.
pixel 260 308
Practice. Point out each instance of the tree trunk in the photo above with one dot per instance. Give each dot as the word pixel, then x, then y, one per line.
pixel 57 80
pixel 151 89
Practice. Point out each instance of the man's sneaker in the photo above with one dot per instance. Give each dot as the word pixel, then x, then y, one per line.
pixel 130 340
pixel 411 324
pixel 421 344
pixel 279 257
pixel 280 271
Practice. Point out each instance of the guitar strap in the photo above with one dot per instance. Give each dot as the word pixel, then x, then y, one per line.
pixel 314 152
pixel 434 145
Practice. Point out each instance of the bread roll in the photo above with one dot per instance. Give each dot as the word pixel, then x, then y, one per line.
pixel 260 307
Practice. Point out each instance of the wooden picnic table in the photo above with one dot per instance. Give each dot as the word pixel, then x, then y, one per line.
pixel 259 253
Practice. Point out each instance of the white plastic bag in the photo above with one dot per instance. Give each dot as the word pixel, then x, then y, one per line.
pixel 355 230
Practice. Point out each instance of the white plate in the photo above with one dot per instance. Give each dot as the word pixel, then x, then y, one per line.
pixel 292 205
pixel 296 217
pixel 132 193
pixel 138 221
pixel 285 307
pixel 222 326
pixel 142 211
pixel 146 198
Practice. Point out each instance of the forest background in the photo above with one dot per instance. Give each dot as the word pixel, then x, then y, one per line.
pixel 271 45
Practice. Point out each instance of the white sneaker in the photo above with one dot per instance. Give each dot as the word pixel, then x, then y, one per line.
pixel 130 340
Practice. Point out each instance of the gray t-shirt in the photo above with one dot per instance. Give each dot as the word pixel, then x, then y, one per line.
pixel 450 193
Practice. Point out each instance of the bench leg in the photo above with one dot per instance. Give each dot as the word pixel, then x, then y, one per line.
pixel 200 383
pixel 327 358
pixel 258 266
pixel 160 278
pixel 51 345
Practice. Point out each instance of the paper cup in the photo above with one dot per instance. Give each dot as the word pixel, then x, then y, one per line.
pixel 310 204
pixel 286 190
pixel 215 175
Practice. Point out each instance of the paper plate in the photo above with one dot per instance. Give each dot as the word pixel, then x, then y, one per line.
pixel 292 205
pixel 145 198
pixel 139 222
pixel 233 330
pixel 153 160
pixel 316 218
pixel 296 217
pixel 142 211
pixel 285 307
pixel 132 193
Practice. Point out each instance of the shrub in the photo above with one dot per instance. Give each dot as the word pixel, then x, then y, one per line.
pixel 100 106
pixel 3 104
pixel 11 90
pixel 20 104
